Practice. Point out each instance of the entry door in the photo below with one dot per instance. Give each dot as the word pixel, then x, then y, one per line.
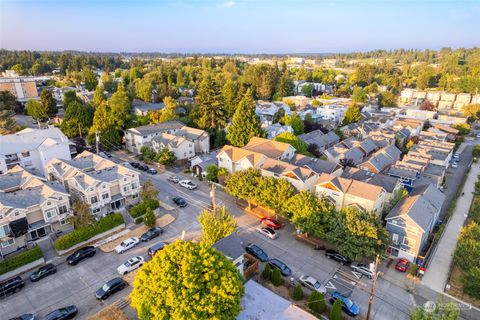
pixel 37 234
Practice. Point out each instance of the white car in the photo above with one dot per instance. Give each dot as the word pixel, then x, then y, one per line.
pixel 363 269
pixel 312 283
pixel 267 232
pixel 130 265
pixel 454 164
pixel 127 244
pixel 173 179
pixel 187 184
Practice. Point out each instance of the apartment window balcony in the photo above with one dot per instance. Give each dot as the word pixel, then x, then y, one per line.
pixel 11 159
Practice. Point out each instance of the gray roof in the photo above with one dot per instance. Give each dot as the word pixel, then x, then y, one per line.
pixel 368 145
pixel 318 166
pixel 316 137
pixel 230 246
pixel 386 182
pixel 331 137
pixel 393 152
pixel 29 197
pixel 158 127
pixel 147 106
pixel 422 206
pixel 402 172
pixel 380 161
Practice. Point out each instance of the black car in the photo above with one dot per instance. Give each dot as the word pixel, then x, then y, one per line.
pixel 80 254
pixel 26 316
pixel 152 233
pixel 11 285
pixel 135 164
pixel 284 269
pixel 109 288
pixel 42 272
pixel 332 254
pixel 142 167
pixel 152 171
pixel 257 252
pixel 65 313
pixel 179 201
pixel 156 247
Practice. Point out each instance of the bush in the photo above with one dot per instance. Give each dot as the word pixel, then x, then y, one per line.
pixel 414 270
pixel 20 259
pixel 138 220
pixel 471 282
pixel 336 313
pixel 141 208
pixel 316 302
pixel 149 219
pixel 267 272
pixel 276 277
pixel 476 151
pixel 298 293
pixel 84 233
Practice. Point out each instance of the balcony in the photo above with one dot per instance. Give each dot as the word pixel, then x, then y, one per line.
pixel 10 159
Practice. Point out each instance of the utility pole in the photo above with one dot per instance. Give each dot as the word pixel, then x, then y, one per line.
pixel 212 194
pixel 373 287
pixel 97 140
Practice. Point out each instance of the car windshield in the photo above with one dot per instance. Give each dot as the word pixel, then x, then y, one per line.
pixel 105 287
pixel 128 264
pixel 125 243
pixel 317 285
pixel 348 303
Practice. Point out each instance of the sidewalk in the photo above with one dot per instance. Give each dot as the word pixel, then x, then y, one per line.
pixel 436 275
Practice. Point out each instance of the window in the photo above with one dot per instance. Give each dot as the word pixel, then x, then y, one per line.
pixel 395 238
pixel 93 200
pixel 134 185
pixel 135 196
pixel 104 186
pixel 393 222
pixel 62 209
pixel 50 213
pixel 26 154
pixel 27 163
pixel 125 188
pixel 8 243
pixel 95 210
pixel 63 222
pixel 105 196
pixel 4 230
pixel 408 242
pixel 49 203
pixel 190 152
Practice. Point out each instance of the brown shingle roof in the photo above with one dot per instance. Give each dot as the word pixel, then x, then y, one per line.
pixel 270 148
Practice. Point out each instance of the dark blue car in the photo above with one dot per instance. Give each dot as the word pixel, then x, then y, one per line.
pixel 284 269
pixel 257 252
pixel 348 306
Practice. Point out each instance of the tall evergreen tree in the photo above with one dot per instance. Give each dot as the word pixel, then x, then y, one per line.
pixel 48 103
pixel 77 120
pixel 245 123
pixel 120 106
pixel 210 105
pixel 7 112
pixel 231 96
pixel 352 115
pixel 98 96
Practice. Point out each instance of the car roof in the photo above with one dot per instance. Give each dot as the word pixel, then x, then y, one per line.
pixel 114 280
pixel 157 246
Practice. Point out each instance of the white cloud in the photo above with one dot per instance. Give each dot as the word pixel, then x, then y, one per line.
pixel 227 4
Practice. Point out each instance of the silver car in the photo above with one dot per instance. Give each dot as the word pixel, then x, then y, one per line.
pixel 268 232
pixel 312 284
pixel 362 268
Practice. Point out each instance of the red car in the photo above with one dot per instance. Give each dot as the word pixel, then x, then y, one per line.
pixel 402 265
pixel 271 223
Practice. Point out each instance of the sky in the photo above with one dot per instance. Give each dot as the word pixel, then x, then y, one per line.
pixel 238 26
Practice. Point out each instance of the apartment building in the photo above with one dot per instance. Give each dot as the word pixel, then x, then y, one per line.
pixel 181 147
pixel 33 149
pixel 300 177
pixel 30 208
pixel 105 185
pixel 23 88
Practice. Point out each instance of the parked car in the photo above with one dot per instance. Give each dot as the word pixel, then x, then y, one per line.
pixel 109 288
pixel 26 316
pixel 152 171
pixel 348 306
pixel 187 184
pixel 173 179
pixel 332 254
pixel 151 234
pixel 134 164
pixel 80 254
pixel 43 272
pixel 402 265
pixel 130 265
pixel 127 244
pixel 142 167
pixel 156 247
pixel 312 283
pixel 11 285
pixel 454 164
pixel 257 252
pixel 268 232
pixel 179 201
pixel 107 154
pixel 65 313
pixel 478 135
pixel 271 223
pixel 284 269
pixel 362 268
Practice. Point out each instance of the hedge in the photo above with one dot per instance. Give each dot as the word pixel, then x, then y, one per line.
pixel 138 220
pixel 84 233
pixel 20 259
pixel 141 208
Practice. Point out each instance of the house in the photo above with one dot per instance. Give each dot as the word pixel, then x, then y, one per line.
pixel 343 192
pixel 332 112
pixel 413 125
pixel 451 133
pixel 382 159
pixel 322 140
pixel 231 247
pixel 136 138
pixel 234 159
pixel 200 163
pixel 275 129
pixel 300 177
pixel 33 149
pixel 270 148
pixel 141 108
pixel 341 151
pixel 259 303
pixel 411 221
pixel 103 184
pixel 30 208
pixel 441 152
pixel 433 134
pixel 318 166
pixel 181 147
pixel 420 114
pixel 200 138
pixel 265 110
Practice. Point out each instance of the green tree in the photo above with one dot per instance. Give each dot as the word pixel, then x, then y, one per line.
pixel 48 103
pixel 299 145
pixel 168 113
pixel 216 225
pixel 36 110
pixel 242 184
pixel 297 293
pixel 231 95
pixel 278 116
pixel 387 99
pixel 104 124
pixel 212 113
pixel 166 156
pixel 442 311
pixel 212 173
pixel 316 302
pixel 7 112
pixel 472 110
pixel 208 283
pixel 276 277
pixel 467 253
pixel 107 82
pixel 82 216
pixel 89 78
pixel 476 150
pixel 98 96
pixel 120 106
pixel 352 115
pixel 77 120
pixel 149 191
pixel 267 272
pixel 359 95
pixel 245 123
pixel 296 122
pixel 310 214
pixel 358 234
pixel 18 68
pixel 336 312
pixel 69 97
pixel 463 128
pixel 471 282
pixel 307 90
pixel 148 154
pixel 149 218
pixel 285 85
